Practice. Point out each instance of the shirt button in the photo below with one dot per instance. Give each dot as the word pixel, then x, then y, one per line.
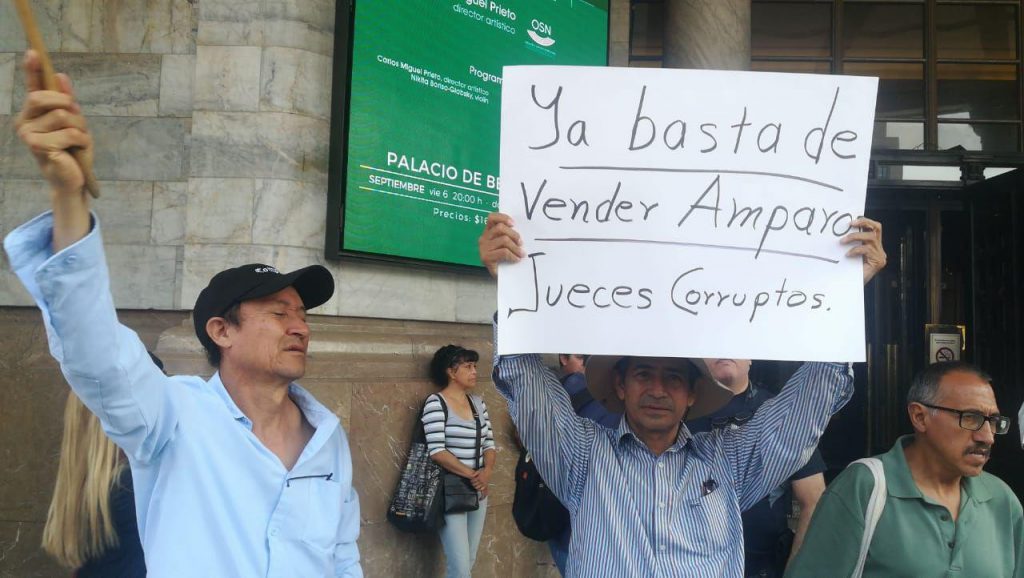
pixel 273 531
pixel 661 504
pixel 661 464
pixel 944 517
pixel 662 547
pixel 71 259
pixel 951 544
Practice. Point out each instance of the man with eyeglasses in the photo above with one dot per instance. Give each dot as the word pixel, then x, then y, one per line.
pixel 943 515
pixel 768 543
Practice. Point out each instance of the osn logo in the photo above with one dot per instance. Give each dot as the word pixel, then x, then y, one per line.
pixel 540 33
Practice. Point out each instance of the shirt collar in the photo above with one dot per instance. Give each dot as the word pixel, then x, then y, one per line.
pixel 315 413
pixel 217 385
pixel 900 483
pixel 624 432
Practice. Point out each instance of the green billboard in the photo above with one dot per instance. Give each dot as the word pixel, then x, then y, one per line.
pixel 414 162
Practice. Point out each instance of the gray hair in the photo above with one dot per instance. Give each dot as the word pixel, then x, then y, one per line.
pixel 925 387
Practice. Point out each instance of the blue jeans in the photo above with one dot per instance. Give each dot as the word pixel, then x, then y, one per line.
pixel 460 537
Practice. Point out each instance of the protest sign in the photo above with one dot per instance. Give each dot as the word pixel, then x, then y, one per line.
pixel 683 212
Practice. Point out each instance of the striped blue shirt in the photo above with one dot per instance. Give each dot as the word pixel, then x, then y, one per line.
pixel 677 514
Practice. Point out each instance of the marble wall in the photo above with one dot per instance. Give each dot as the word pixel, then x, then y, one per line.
pixel 211 123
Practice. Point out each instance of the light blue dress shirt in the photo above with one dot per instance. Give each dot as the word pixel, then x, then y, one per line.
pixel 212 500
pixel 677 514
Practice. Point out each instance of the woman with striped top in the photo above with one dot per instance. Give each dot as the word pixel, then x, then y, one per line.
pixel 453 443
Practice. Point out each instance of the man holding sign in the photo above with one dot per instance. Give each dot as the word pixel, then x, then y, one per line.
pixel 648 498
pixel 683 214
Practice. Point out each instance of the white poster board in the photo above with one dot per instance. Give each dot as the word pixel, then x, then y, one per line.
pixel 683 213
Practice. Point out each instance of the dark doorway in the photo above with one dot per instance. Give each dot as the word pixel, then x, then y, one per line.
pixel 997 242
pixel 956 256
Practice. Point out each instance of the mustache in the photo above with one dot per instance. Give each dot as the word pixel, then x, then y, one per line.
pixel 979 448
pixel 660 403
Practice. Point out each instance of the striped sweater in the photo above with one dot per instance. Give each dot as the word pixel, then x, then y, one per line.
pixel 457 435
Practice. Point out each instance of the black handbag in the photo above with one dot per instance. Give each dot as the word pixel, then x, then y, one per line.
pixel 538 513
pixel 459 493
pixel 418 503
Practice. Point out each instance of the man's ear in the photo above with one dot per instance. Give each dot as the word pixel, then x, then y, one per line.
pixel 693 390
pixel 918 417
pixel 620 387
pixel 217 329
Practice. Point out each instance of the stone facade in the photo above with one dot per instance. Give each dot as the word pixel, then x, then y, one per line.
pixel 717 34
pixel 211 123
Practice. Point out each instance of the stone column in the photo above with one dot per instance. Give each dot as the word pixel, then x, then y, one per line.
pixel 711 34
pixel 618 32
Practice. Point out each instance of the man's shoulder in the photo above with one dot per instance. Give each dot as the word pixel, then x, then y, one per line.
pixel 853 486
pixel 189 385
pixel 999 493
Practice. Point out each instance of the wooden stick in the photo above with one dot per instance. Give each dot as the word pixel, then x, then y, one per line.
pixel 35 40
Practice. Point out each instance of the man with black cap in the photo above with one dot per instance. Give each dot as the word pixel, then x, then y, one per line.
pixel 647 498
pixel 244 474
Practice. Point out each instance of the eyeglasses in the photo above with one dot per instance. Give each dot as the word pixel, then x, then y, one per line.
pixel 973 421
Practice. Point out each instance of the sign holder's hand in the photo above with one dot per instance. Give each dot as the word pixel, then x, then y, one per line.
pixel 869 239
pixel 40 76
pixel 499 243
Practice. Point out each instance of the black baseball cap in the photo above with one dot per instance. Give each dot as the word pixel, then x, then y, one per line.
pixel 314 284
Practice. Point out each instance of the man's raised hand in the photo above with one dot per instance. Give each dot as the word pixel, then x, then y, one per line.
pixel 49 124
pixel 868 239
pixel 499 243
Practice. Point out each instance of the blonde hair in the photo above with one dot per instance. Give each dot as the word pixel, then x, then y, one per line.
pixel 79 525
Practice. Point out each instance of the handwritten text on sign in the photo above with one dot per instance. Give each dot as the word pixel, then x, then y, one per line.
pixel 683 213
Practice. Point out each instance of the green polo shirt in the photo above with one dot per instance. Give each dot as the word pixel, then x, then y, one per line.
pixel 915 537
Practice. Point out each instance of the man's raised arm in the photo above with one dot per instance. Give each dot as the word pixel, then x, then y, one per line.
pixel 558 440
pixel 786 429
pixel 59 258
